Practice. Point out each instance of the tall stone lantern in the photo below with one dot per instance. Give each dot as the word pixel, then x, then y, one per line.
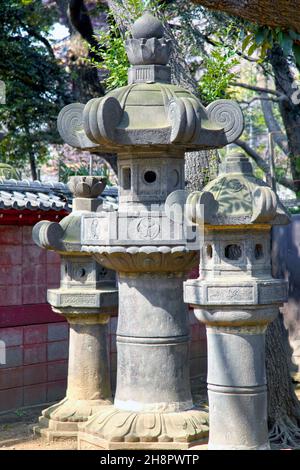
pixel 236 298
pixel 87 297
pixel 149 123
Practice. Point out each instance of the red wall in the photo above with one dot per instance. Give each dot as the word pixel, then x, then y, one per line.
pixel 36 339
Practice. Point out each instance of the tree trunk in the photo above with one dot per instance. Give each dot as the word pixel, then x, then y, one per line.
pixel 31 155
pixel 32 163
pixel 281 13
pixel 273 125
pixel 283 404
pixel 200 168
pixel 86 83
pixel 290 111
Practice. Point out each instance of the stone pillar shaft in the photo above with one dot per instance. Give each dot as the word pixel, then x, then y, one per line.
pixel 237 389
pixel 88 373
pixel 152 344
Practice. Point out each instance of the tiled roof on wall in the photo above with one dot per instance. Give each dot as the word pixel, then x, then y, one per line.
pixel 35 195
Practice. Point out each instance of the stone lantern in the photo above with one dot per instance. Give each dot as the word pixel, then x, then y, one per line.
pixel 236 297
pixel 149 123
pixel 87 297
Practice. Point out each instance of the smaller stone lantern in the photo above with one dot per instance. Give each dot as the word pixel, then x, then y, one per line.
pixel 87 297
pixel 236 297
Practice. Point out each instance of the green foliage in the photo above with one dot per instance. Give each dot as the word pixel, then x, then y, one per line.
pixel 297 163
pixel 35 82
pixel 218 75
pixel 262 39
pixel 111 54
pixel 66 171
pixel 280 172
pixel 258 172
pixel 112 57
pixel 137 7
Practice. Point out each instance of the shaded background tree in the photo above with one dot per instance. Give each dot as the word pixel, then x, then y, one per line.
pixel 36 86
pixel 286 15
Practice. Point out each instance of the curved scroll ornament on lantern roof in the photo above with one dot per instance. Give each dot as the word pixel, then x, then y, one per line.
pixel 149 110
pixel 236 197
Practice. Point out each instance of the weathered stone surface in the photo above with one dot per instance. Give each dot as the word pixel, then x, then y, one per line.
pixel 86 186
pixel 145 259
pixel 236 297
pixel 118 429
pixel 147 26
pixel 87 297
pixel 174 117
pixel 241 198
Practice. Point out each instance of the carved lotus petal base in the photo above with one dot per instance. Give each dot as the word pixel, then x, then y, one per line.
pixel 117 429
pixel 145 259
pixel 61 420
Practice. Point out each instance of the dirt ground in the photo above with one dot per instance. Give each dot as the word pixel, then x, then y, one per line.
pixel 16 432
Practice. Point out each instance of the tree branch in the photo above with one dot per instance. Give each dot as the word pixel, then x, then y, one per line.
pixel 81 21
pixel 282 13
pixel 273 126
pixel 258 89
pixel 261 163
pixel 259 98
pixel 38 36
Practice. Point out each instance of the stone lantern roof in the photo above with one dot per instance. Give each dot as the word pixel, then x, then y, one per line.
pixel 237 197
pixel 149 110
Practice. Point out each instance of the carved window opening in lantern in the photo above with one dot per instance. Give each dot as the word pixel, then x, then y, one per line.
pixel 126 177
pixel 258 251
pixel 209 252
pixel 81 273
pixel 150 176
pixel 233 252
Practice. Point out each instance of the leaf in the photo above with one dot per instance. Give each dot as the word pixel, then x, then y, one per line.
pixel 287 44
pixel 260 35
pixel 280 37
pixel 252 49
pixel 264 49
pixel 246 42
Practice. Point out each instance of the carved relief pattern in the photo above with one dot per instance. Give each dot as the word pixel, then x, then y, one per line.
pixel 147 228
pixel 87 186
pixel 69 122
pixel 74 410
pixel 129 426
pixel 227 114
pixel 144 259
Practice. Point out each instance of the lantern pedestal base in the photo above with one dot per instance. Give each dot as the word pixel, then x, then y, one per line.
pixel 117 429
pixel 60 421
